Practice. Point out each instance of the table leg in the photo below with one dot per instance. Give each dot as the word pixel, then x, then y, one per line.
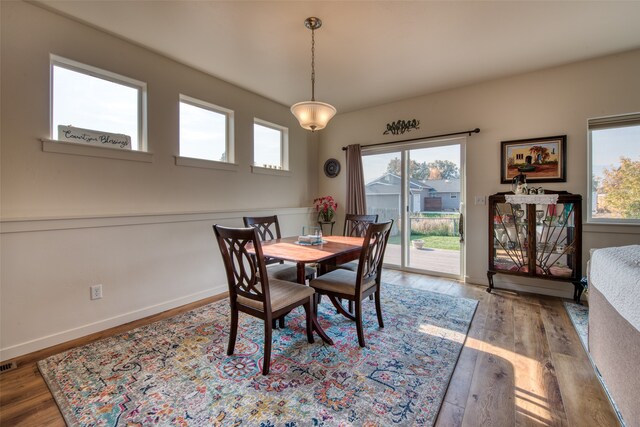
pixel 316 325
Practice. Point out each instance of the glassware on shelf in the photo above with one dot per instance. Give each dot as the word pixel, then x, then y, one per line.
pixel 539 216
pixel 519 214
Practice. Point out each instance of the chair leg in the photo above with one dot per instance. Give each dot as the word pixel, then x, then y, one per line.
pixel 359 323
pixel 267 348
pixel 281 322
pixel 379 310
pixel 350 306
pixel 308 310
pixel 234 332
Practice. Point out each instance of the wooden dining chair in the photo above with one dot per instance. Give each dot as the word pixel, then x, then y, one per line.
pixel 356 226
pixel 253 292
pixel 268 228
pixel 357 286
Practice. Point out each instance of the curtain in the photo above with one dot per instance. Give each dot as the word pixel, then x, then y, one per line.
pixel 356 201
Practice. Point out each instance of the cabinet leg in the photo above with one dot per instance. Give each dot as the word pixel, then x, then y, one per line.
pixel 490 275
pixel 577 291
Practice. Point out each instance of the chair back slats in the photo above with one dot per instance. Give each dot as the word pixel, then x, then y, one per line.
pixel 356 225
pixel 267 226
pixel 373 249
pixel 246 275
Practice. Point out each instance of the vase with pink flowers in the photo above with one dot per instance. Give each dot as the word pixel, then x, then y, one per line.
pixel 326 207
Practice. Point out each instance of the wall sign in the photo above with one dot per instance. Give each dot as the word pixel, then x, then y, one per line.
pixel 94 137
pixel 401 126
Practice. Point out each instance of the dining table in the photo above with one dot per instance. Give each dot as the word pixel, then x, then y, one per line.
pixel 334 250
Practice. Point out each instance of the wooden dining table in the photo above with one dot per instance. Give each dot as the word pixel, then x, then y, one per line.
pixel 333 251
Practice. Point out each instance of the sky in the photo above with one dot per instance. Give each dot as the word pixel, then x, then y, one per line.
pixel 609 144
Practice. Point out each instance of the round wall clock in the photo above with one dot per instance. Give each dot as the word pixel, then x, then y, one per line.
pixel 332 168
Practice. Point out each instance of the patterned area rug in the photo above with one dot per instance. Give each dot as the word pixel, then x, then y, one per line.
pixel 579 315
pixel 177 372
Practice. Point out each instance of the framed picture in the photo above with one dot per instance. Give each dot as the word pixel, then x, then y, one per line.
pixel 540 159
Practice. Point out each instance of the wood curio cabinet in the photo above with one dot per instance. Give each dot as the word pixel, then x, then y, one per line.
pixel 538 236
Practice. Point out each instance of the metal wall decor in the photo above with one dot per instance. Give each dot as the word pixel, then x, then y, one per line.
pixel 331 168
pixel 401 126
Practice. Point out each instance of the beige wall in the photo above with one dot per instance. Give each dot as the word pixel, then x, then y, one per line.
pixel 142 230
pixel 37 184
pixel 546 103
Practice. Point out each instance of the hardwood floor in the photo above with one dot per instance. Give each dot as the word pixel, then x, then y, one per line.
pixel 522 364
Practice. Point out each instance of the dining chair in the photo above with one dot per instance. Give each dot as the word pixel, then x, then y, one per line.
pixel 253 292
pixel 268 228
pixel 356 226
pixel 357 286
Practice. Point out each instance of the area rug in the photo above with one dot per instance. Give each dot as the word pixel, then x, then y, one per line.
pixel 177 372
pixel 579 315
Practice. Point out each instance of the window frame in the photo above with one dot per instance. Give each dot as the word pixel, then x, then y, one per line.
pixel 229 135
pixel 78 67
pixel 600 123
pixel 284 149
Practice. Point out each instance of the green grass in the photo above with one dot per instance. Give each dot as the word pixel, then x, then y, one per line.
pixel 432 242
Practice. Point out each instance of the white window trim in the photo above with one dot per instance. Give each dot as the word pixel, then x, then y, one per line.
pixel 206 164
pixel 55 60
pixel 63 147
pixel 602 123
pixel 229 143
pixel 284 150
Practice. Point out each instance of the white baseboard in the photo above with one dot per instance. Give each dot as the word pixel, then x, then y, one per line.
pixel 88 329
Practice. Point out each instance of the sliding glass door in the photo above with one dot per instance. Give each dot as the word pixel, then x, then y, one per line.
pixel 419 186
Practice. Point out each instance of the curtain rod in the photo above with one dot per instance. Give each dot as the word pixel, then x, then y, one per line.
pixel 469 132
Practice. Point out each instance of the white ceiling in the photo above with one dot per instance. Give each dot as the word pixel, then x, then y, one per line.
pixel 367 52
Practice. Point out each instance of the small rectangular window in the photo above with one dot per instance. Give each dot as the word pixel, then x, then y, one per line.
pixel 270 145
pixel 96 100
pixel 205 130
pixel 614 169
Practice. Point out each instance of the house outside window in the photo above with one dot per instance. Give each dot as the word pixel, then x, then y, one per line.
pixel 614 170
pixel 205 130
pixel 270 145
pixel 87 102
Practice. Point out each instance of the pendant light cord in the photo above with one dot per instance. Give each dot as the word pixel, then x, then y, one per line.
pixel 313 65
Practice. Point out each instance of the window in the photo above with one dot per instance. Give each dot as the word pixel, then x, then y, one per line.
pixel 92 99
pixel 205 130
pixel 614 170
pixel 270 145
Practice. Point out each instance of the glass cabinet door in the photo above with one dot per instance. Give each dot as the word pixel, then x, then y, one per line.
pixel 555 240
pixel 510 238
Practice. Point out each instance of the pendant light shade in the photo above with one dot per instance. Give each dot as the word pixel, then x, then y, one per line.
pixel 313 115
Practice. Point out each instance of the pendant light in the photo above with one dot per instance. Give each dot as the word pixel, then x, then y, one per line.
pixel 313 115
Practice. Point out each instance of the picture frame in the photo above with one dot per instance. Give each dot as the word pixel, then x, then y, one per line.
pixel 540 159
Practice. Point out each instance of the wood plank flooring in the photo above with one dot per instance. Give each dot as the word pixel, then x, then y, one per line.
pixel 522 365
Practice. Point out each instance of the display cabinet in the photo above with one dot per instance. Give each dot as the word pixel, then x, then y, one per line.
pixel 537 235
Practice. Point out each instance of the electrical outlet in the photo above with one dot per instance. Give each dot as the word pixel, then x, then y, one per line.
pixel 480 200
pixel 96 291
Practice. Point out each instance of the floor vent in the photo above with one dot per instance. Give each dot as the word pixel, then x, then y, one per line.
pixel 8 366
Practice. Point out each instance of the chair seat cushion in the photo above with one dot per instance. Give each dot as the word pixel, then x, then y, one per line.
pixel 288 272
pixel 282 293
pixel 351 266
pixel 340 281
